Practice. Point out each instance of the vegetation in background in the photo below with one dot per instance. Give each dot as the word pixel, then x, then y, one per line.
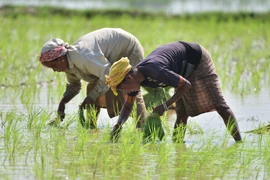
pixel 238 42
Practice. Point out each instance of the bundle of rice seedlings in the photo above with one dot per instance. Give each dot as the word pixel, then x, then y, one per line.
pixel 90 120
pixel 84 122
pixel 153 128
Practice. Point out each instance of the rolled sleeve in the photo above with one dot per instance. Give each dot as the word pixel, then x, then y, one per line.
pixel 72 90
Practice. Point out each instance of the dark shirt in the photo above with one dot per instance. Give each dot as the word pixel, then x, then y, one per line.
pixel 163 66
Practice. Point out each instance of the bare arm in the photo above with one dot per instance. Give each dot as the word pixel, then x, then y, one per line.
pixel 180 91
pixel 124 114
pixel 73 87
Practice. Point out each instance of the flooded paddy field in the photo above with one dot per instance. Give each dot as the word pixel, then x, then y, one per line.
pixel 30 149
pixel 30 93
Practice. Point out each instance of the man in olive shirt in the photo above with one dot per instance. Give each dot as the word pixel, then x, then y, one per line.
pixel 89 58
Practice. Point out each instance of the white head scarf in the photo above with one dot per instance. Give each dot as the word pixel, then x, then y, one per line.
pixel 53 49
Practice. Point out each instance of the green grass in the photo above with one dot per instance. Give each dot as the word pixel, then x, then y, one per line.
pixel 239 44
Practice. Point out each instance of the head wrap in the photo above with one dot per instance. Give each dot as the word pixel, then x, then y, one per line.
pixel 53 49
pixel 117 73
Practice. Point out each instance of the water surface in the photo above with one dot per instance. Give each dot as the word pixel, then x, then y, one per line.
pixel 251 111
pixel 166 6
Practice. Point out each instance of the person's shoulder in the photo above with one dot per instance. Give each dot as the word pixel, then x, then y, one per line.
pixel 109 32
pixel 109 29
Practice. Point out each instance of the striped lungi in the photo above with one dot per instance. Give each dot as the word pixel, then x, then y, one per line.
pixel 205 93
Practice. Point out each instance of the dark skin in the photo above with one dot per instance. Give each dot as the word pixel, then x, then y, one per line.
pixel 58 65
pixel 132 82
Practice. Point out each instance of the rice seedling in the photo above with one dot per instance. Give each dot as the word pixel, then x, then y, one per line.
pixel 90 121
pixel 153 128
pixel 261 130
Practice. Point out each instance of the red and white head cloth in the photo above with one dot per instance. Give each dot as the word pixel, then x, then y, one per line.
pixel 53 49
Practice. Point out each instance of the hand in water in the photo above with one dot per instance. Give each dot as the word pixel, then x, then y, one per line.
pixel 115 133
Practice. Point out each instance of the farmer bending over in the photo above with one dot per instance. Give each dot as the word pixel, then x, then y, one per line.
pixel 89 58
pixel 188 67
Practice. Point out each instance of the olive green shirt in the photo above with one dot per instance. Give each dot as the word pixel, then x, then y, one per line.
pixel 91 56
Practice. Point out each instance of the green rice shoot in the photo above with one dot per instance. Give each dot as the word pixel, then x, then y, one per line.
pixel 153 128
pixel 91 118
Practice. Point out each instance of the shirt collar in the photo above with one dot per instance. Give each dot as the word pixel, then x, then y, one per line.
pixel 70 56
pixel 70 62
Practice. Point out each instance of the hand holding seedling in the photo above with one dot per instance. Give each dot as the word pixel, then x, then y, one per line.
pixel 115 132
pixel 160 109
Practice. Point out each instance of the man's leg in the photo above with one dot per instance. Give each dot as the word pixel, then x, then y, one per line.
pixel 230 122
